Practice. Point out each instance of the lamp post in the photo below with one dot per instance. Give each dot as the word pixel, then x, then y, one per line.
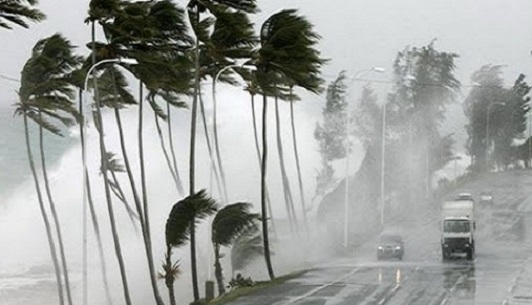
pixel 214 116
pixel 347 132
pixel 84 158
pixel 488 129
pixel 383 155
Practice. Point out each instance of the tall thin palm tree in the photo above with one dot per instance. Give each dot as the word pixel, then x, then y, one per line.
pixel 99 11
pixel 231 38
pixel 45 94
pixel 154 33
pixel 46 85
pixel 288 198
pixel 18 12
pixel 181 226
pixel 298 166
pixel 23 110
pixel 254 90
pixel 286 41
pixel 110 208
pixel 195 8
pixel 228 225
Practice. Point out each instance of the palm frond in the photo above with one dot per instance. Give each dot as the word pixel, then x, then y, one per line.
pixel 288 47
pixel 19 12
pixel 44 123
pixel 159 112
pixel 246 248
pixel 186 213
pixel 231 221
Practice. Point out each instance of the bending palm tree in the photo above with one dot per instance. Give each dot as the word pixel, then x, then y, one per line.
pixel 253 90
pixel 45 91
pixel 300 181
pixel 18 12
pixel 229 224
pixel 149 32
pixel 289 201
pixel 181 226
pixel 22 109
pixel 195 8
pixel 286 41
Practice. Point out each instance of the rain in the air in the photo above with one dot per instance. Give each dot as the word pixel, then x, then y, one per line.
pixel 248 152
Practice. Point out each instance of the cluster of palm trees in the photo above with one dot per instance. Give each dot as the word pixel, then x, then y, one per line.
pixel 169 50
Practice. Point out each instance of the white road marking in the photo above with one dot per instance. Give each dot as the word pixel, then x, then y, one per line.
pixel 313 291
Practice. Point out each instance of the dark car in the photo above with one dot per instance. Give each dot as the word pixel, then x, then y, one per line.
pixel 391 245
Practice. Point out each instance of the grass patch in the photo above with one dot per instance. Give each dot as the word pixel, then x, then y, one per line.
pixel 243 291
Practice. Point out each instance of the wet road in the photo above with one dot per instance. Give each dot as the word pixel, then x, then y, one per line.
pixel 494 277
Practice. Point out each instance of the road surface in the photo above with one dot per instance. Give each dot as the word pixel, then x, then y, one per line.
pixel 500 274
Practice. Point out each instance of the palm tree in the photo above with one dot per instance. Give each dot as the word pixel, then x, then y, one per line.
pixel 45 94
pixel 195 8
pixel 19 12
pixel 154 33
pixel 253 90
pixel 300 180
pixel 232 38
pixel 289 201
pixel 23 110
pixel 286 41
pixel 181 226
pixel 229 224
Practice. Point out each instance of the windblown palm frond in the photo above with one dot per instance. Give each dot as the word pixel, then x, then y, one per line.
pixel 45 89
pixel 185 213
pixel 231 221
pixel 103 9
pixel 112 87
pixel 248 6
pixel 288 48
pixel 19 12
pixel 247 247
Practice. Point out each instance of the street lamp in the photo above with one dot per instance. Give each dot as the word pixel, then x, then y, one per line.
pixel 488 128
pixel 214 116
pixel 347 132
pixel 84 158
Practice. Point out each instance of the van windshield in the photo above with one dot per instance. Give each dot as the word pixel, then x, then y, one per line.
pixel 456 226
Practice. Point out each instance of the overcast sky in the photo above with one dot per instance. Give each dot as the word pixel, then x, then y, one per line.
pixel 357 34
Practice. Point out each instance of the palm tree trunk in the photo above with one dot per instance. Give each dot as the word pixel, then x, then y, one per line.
pixel 145 221
pixel 209 148
pixel 49 236
pixel 218 270
pixel 193 260
pixel 169 276
pixel 192 156
pixel 216 142
pixel 257 147
pixel 286 185
pixel 264 214
pixel 54 216
pixel 116 239
pixel 94 217
pixel 165 152
pixel 300 180
pixel 172 151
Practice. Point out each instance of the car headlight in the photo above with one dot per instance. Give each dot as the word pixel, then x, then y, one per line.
pixel 397 248
pixel 380 248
